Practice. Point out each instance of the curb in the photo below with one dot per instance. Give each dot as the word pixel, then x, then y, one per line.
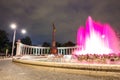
pixel 86 69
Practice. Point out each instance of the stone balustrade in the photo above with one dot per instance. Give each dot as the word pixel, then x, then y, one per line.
pixel 23 49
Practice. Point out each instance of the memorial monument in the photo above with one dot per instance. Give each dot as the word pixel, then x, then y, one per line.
pixel 53 49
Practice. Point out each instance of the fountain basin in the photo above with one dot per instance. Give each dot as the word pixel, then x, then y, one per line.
pixel 69 65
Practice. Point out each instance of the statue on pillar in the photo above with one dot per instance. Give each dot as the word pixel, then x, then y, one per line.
pixel 53 49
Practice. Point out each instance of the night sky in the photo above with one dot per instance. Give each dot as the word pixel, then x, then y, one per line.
pixel 37 16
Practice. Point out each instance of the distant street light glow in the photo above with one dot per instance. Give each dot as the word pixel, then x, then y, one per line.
pixel 23 31
pixel 13 26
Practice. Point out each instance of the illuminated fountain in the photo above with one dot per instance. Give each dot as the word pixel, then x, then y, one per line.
pixel 98 44
pixel 96 38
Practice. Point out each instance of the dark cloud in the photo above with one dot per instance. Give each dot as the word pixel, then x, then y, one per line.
pixel 37 16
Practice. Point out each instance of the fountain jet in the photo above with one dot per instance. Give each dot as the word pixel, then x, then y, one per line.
pixel 96 38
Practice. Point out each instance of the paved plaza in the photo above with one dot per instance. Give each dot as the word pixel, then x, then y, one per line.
pixel 16 71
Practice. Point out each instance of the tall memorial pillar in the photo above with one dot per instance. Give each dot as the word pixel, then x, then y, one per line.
pixel 53 49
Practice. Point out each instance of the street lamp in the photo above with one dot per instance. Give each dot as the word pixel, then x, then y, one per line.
pixel 23 31
pixel 13 26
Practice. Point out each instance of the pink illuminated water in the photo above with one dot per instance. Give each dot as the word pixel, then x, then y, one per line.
pixel 96 38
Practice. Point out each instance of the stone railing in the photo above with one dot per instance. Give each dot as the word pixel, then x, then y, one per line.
pixel 23 49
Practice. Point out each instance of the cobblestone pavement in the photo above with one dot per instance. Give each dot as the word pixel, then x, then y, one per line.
pixel 16 71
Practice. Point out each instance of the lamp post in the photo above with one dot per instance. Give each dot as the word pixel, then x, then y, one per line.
pixel 23 31
pixel 13 26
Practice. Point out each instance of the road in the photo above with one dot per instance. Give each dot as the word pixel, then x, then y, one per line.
pixel 16 71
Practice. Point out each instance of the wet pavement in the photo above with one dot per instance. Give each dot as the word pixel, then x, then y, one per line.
pixel 16 71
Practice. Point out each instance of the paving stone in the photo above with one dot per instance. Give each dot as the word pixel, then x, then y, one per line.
pixel 16 71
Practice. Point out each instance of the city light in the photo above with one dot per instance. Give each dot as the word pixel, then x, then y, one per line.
pixel 23 31
pixel 13 26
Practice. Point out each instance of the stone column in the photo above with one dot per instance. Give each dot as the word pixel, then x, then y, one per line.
pixel 18 48
pixel 53 49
